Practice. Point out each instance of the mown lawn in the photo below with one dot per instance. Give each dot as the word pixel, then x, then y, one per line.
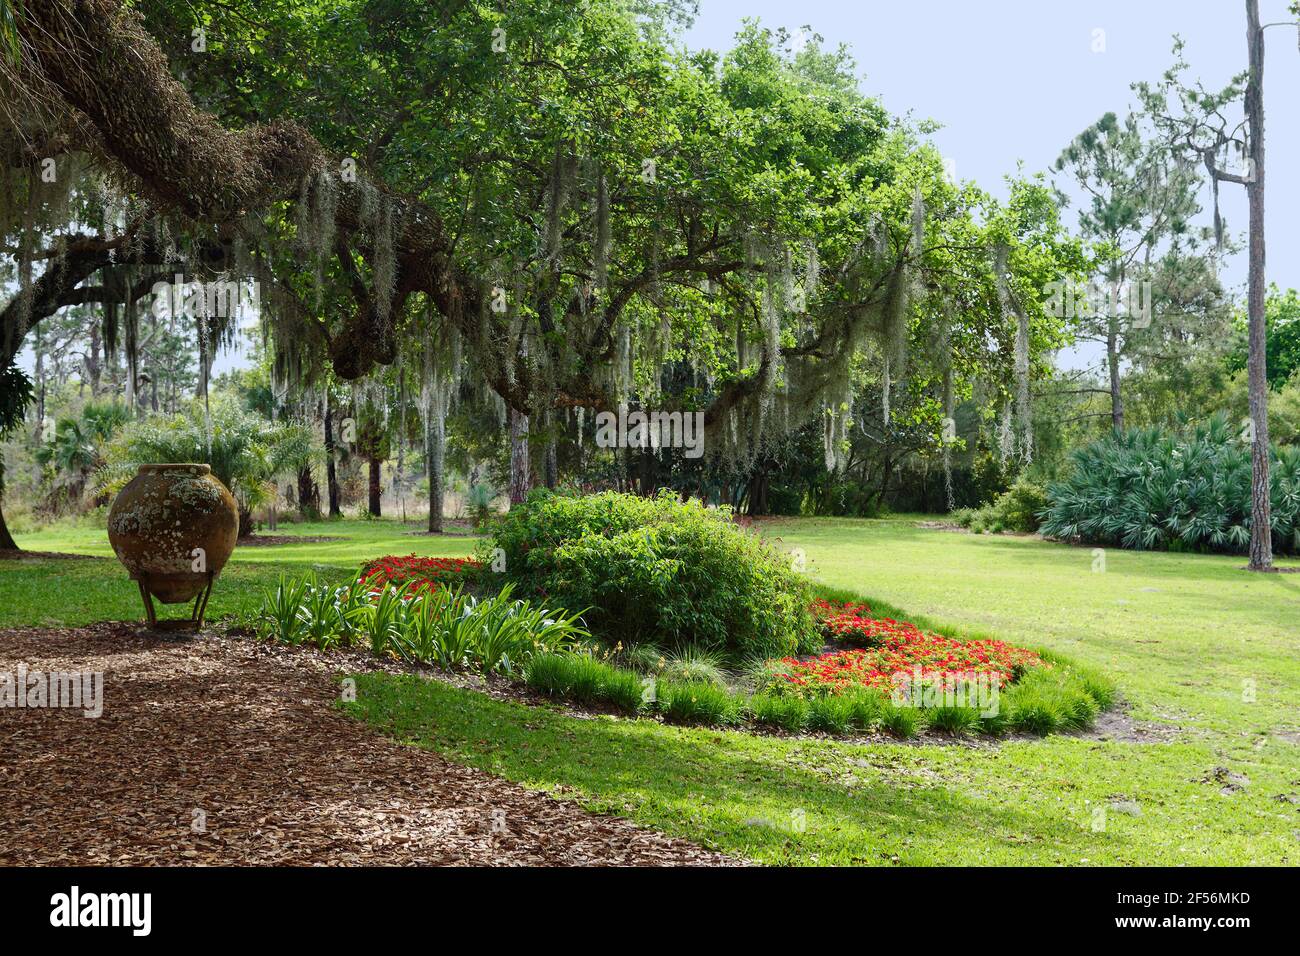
pixel 67 591
pixel 1196 646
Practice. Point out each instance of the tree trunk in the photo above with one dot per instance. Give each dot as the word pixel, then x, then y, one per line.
pixel 1261 532
pixel 308 494
pixel 519 472
pixel 331 469
pixel 437 443
pixel 245 522
pixel 551 468
pixel 758 496
pixel 1112 362
pixel 94 364
pixel 7 542
pixel 374 487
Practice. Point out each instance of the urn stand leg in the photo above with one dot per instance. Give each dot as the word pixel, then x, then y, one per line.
pixel 148 605
pixel 201 603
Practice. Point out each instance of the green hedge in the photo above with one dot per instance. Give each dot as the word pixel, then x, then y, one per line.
pixel 1016 509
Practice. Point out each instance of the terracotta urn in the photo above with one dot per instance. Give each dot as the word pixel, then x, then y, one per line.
pixel 173 527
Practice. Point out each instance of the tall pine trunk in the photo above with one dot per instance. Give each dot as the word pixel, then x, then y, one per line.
pixel 1112 363
pixel 1261 533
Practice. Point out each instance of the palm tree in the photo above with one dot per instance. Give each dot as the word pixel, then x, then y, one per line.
pixel 246 452
pixel 78 446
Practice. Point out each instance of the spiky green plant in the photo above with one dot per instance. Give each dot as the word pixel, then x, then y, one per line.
pixel 1153 488
pixel 692 663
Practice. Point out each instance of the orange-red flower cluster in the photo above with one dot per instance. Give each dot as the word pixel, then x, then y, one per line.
pixel 898 647
pixel 426 573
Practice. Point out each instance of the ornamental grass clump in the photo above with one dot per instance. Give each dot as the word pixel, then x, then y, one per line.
pixel 783 712
pixel 698 703
pixel 583 679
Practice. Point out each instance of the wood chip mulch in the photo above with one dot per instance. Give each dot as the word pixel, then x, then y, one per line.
pixel 210 752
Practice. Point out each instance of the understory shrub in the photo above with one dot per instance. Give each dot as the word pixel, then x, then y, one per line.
pixel 659 570
pixel 1016 509
pixel 1154 488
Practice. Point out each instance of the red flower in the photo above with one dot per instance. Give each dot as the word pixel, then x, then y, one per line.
pixel 426 573
pixel 891 647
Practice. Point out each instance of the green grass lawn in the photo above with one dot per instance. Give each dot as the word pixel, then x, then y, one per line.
pixel 1195 644
pixel 99 590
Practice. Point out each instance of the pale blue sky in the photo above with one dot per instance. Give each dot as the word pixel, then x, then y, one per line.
pixel 1015 80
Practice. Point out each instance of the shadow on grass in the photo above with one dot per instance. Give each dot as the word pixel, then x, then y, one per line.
pixel 773 800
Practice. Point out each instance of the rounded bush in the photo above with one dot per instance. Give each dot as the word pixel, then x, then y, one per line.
pixel 658 571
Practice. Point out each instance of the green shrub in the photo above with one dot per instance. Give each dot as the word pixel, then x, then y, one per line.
pixel 773 710
pixel 1154 488
pixel 698 703
pixel 656 570
pixel 1016 509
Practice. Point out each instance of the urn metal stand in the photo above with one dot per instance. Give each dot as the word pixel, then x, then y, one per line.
pixel 193 623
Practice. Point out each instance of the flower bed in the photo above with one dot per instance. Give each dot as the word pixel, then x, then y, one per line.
pixel 424 574
pixel 892 648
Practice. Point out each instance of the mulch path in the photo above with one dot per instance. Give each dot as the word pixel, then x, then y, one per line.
pixel 249 743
